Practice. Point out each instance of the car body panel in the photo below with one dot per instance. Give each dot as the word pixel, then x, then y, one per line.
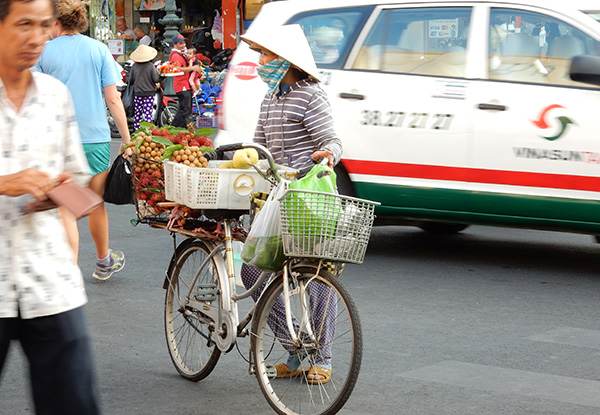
pixel 463 145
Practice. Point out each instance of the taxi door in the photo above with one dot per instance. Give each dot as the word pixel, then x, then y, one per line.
pixel 406 109
pixel 535 131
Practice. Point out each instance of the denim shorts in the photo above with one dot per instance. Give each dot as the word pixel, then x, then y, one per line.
pixel 98 156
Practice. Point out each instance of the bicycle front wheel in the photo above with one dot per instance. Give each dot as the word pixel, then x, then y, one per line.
pixel 328 336
pixel 190 333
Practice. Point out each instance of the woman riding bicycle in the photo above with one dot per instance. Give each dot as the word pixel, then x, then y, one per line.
pixel 296 126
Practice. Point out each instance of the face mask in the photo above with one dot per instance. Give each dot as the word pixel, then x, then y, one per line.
pixel 273 72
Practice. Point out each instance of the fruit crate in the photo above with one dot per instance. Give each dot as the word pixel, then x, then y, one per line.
pixel 213 187
pixel 207 122
pixel 149 188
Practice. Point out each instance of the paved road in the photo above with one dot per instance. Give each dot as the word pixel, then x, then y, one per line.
pixel 492 321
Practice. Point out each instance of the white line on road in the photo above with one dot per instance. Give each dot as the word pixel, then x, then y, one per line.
pixel 511 381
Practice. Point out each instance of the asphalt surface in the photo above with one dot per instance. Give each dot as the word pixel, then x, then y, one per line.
pixel 490 321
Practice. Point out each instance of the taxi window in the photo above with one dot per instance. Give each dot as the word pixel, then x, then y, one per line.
pixel 331 32
pixel 427 41
pixel 533 47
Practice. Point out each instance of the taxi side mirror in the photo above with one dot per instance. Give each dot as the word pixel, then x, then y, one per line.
pixel 586 69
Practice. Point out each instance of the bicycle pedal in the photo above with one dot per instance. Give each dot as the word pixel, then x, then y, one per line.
pixel 206 292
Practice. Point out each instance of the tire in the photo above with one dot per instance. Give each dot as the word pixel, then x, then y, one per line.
pixel 295 395
pixel 190 340
pixel 441 228
pixel 167 114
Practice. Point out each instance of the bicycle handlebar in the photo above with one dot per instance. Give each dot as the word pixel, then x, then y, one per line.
pixel 272 171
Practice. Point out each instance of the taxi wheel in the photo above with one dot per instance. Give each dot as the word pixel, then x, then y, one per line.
pixel 441 228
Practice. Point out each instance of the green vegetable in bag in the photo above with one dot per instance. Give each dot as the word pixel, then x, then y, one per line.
pixel 313 214
pixel 264 245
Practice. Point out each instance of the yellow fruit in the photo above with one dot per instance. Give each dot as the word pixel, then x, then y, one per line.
pixel 244 158
pixel 226 165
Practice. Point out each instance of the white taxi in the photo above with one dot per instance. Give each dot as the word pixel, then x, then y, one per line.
pixel 452 112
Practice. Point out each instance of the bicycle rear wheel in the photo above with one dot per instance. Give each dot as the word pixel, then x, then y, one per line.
pixel 337 340
pixel 189 333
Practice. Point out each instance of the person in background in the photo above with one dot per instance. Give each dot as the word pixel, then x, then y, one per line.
pixel 86 66
pixel 144 76
pixel 296 126
pixel 141 36
pixel 42 293
pixel 124 32
pixel 195 77
pixel 181 84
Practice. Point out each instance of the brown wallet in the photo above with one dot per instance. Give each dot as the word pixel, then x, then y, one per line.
pixel 81 201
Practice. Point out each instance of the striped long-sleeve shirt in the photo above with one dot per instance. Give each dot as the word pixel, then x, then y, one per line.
pixel 296 124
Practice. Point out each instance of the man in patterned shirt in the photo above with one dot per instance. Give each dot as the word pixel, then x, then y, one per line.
pixel 41 287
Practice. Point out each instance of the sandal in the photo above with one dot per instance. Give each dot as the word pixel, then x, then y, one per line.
pixel 283 371
pixel 318 375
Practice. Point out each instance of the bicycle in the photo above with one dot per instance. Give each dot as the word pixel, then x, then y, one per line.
pixel 201 304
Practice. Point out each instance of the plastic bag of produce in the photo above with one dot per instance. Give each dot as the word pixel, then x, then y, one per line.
pixel 264 247
pixel 313 215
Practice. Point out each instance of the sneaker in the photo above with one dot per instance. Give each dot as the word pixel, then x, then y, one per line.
pixel 103 272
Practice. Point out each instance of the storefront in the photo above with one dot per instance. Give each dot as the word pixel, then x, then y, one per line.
pixel 216 24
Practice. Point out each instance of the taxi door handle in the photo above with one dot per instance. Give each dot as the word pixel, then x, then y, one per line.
pixel 347 95
pixel 492 107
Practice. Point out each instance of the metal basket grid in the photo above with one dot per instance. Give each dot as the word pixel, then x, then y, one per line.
pixel 148 190
pixel 204 121
pixel 327 226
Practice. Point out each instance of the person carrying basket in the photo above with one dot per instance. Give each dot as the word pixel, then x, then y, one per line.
pixel 295 124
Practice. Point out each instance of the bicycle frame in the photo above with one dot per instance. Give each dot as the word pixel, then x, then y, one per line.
pixel 228 304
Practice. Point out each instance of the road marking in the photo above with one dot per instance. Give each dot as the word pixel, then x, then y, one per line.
pixel 570 336
pixel 511 381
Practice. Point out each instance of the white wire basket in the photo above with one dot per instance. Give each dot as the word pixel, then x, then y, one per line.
pixel 326 226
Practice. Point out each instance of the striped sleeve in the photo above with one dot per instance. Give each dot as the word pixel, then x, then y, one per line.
pixel 259 132
pixel 319 124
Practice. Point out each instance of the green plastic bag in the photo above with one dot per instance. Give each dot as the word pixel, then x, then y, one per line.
pixel 321 178
pixel 313 215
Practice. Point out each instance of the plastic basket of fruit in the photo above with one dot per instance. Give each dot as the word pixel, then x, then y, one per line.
pixel 150 146
pixel 220 185
pixel 149 188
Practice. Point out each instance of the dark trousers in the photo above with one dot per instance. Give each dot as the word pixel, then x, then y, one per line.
pixel 184 109
pixel 60 361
